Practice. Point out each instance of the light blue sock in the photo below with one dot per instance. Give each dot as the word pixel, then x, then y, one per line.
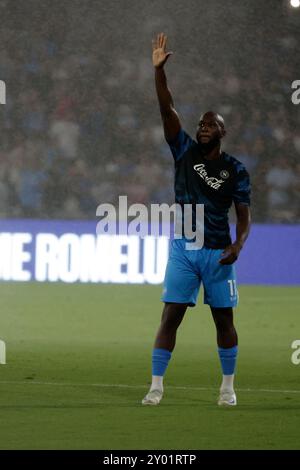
pixel 160 361
pixel 228 359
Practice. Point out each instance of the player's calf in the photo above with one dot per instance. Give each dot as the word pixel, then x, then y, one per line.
pixel 228 350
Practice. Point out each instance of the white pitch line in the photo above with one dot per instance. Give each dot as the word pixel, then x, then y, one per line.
pixel 65 384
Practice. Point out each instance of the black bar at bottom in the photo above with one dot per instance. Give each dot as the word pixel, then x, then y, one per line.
pixel 136 458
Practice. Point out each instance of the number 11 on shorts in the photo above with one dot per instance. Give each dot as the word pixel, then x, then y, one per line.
pixel 232 287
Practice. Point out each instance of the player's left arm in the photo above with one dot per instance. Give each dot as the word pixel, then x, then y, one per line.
pixel 241 198
pixel 243 215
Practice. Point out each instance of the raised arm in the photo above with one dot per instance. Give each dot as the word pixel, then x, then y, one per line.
pixel 169 116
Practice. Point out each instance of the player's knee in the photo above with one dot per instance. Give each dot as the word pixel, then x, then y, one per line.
pixel 223 318
pixel 225 327
pixel 172 315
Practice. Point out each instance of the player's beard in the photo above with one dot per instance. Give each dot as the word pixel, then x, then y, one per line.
pixel 210 146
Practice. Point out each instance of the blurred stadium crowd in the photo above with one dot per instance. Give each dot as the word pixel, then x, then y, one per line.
pixel 81 125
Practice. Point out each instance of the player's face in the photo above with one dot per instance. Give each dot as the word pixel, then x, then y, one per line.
pixel 209 129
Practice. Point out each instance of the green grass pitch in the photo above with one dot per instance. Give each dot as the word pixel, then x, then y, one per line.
pixel 79 363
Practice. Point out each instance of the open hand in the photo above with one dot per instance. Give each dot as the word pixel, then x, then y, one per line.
pixel 159 54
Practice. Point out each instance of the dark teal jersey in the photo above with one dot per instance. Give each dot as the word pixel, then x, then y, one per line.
pixel 213 183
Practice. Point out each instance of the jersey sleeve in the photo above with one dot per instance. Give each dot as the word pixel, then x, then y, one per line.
pixel 180 144
pixel 242 187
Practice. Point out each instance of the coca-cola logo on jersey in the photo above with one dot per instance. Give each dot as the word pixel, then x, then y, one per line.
pixel 209 180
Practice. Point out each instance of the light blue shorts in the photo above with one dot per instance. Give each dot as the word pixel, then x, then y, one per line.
pixel 185 271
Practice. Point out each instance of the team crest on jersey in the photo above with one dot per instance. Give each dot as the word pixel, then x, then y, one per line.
pixel 224 174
